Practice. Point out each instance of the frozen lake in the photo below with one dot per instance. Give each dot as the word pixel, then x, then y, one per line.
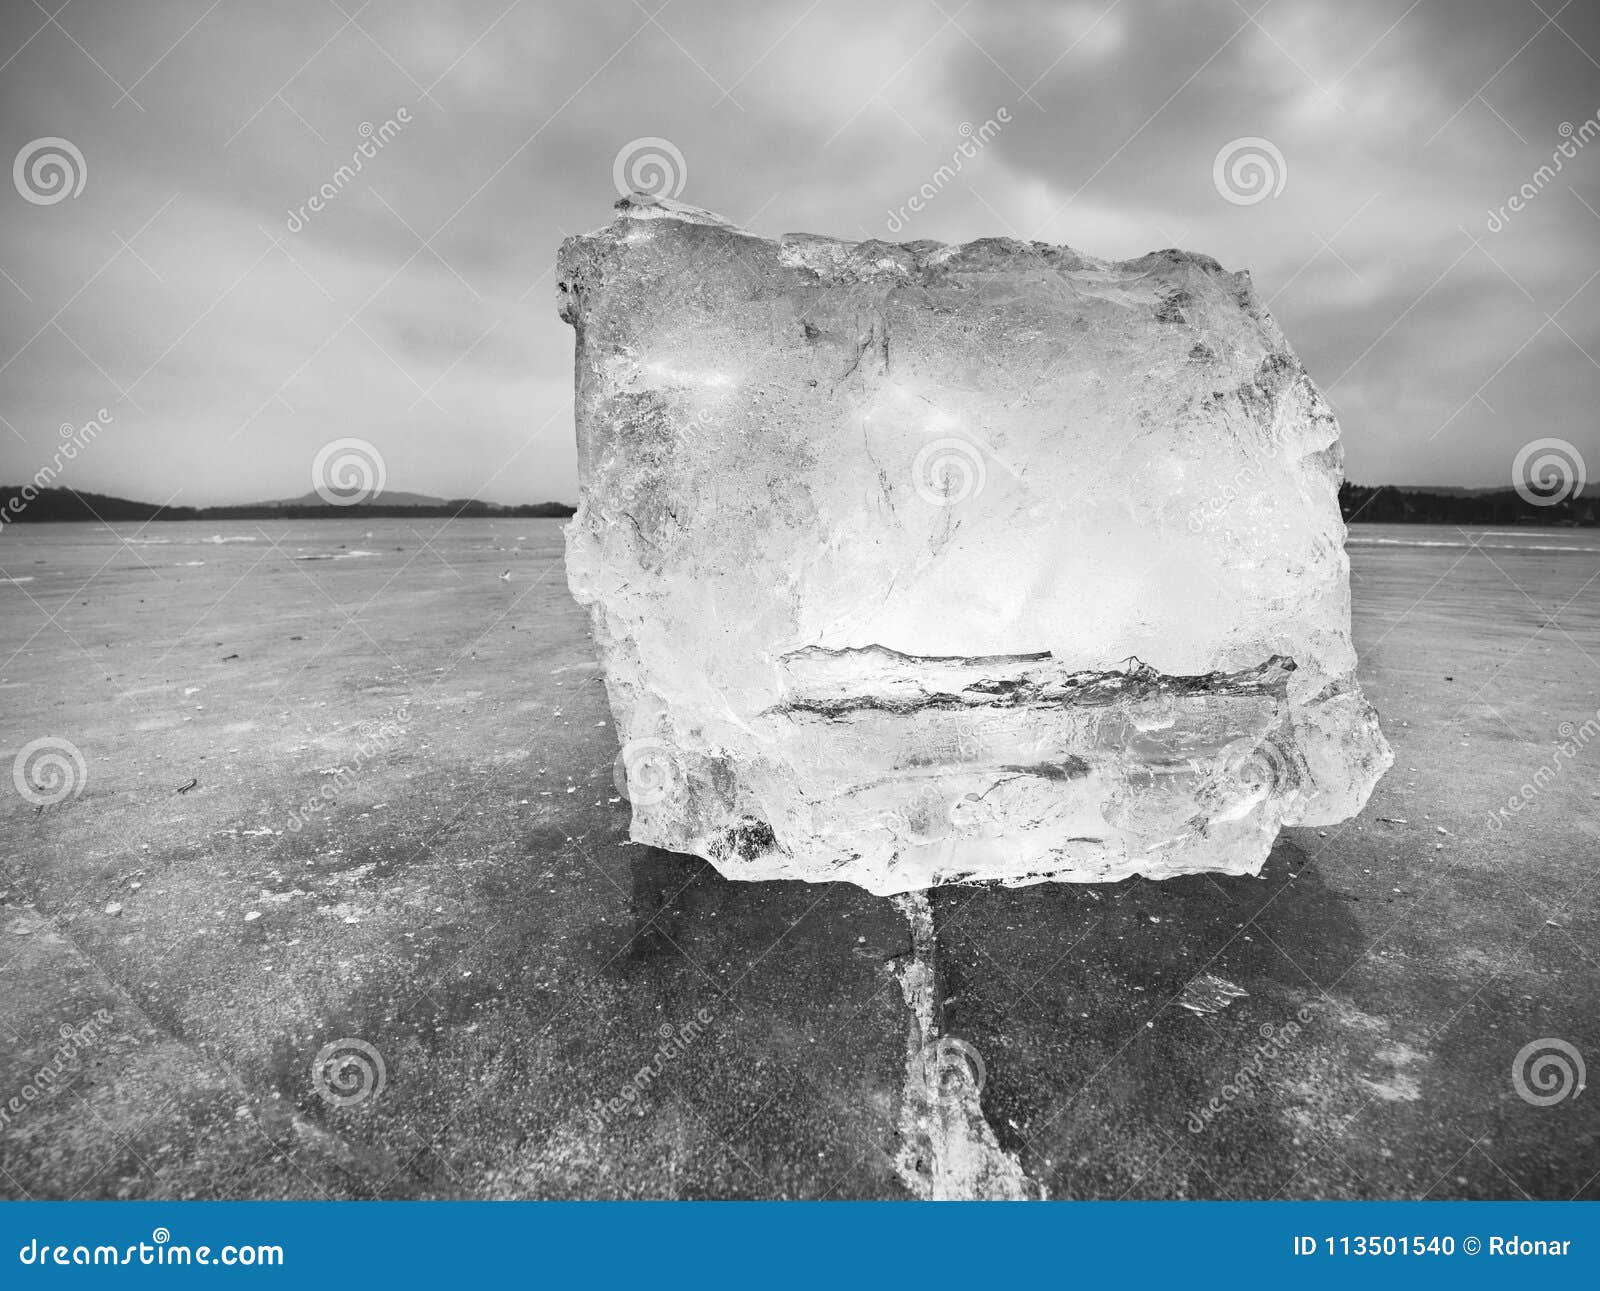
pixel 464 902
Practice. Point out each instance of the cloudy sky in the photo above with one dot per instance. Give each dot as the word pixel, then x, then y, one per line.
pixel 230 334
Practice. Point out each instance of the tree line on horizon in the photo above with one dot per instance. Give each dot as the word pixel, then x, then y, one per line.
pixel 1386 504
pixel 1379 504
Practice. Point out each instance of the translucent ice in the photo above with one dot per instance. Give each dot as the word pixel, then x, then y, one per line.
pixel 916 564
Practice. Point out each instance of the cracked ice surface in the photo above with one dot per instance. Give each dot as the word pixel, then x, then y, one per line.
pixel 916 564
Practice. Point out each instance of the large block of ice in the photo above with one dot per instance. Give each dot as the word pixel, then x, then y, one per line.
pixel 917 564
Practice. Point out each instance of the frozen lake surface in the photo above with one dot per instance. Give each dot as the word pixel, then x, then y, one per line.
pixel 463 901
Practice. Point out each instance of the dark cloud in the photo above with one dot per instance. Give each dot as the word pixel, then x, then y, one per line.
pixel 415 309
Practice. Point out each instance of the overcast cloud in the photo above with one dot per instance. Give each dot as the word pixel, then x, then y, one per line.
pixel 416 309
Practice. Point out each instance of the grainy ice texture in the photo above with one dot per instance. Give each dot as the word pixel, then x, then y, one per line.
pixel 917 564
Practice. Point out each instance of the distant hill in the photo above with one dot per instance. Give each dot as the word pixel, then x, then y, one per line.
pixel 66 505
pixel 384 499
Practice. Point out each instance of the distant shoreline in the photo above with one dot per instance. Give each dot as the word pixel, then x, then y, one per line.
pixel 1387 504
pixel 57 506
pixel 1358 503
